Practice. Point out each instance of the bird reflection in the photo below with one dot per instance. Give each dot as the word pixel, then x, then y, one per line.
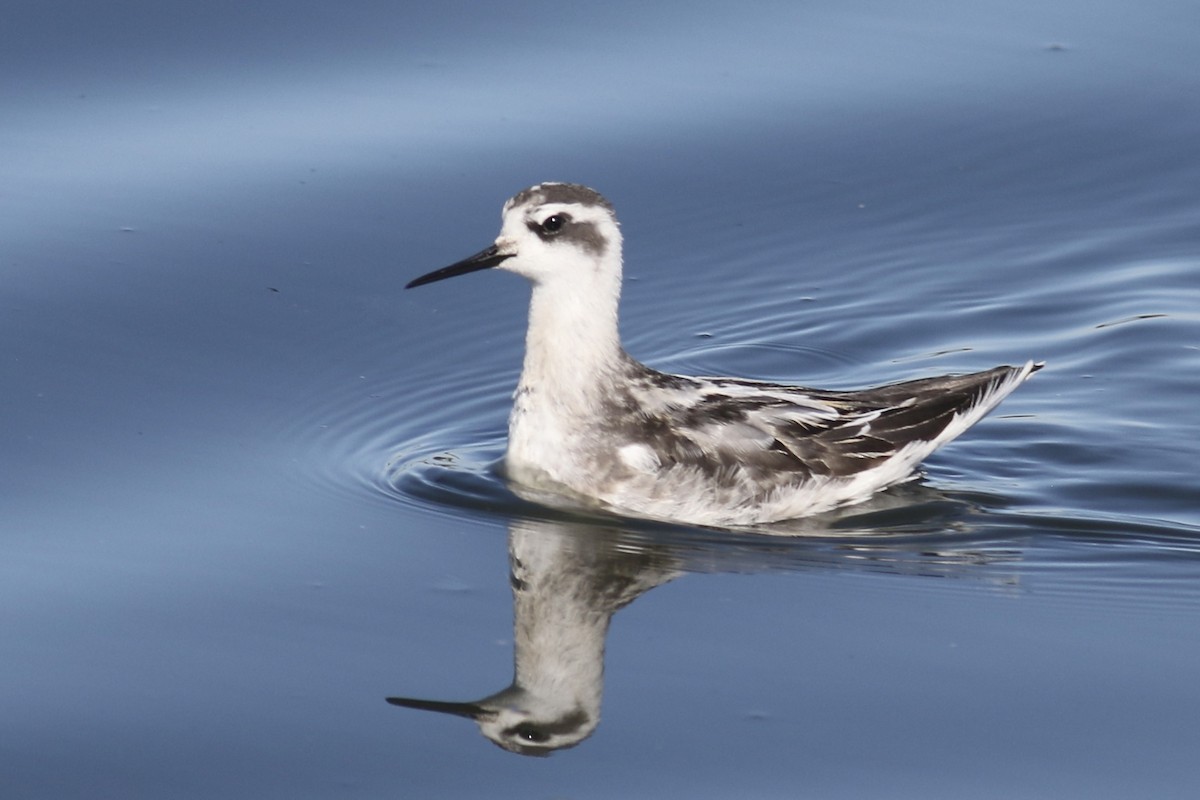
pixel 569 578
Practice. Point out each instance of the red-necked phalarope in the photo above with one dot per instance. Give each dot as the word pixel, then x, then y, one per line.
pixel 589 420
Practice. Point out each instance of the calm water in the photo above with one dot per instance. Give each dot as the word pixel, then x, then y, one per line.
pixel 249 486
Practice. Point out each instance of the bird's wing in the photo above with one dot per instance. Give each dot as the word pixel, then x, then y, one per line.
pixel 838 434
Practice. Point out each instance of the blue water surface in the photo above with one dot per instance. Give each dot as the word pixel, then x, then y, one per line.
pixel 250 487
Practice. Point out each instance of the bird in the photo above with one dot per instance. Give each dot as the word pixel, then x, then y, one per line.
pixel 593 425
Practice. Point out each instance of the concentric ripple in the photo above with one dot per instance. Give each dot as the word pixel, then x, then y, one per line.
pixel 421 441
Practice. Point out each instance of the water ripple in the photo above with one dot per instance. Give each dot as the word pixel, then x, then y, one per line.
pixel 398 438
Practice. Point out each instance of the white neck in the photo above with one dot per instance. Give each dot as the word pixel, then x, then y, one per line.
pixel 573 343
pixel 559 651
pixel 561 613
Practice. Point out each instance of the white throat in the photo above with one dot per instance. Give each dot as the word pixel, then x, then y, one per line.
pixel 573 342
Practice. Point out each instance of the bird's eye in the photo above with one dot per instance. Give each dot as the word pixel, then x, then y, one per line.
pixel 531 734
pixel 554 223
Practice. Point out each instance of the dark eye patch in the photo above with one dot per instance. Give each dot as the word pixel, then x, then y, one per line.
pixel 531 733
pixel 566 228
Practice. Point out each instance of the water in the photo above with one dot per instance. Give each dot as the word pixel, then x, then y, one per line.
pixel 249 486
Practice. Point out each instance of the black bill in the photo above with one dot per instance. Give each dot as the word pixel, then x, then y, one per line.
pixel 484 259
pixel 458 709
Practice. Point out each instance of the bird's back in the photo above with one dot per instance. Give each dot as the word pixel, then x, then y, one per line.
pixel 749 444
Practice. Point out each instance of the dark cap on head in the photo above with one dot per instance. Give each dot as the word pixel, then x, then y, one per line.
pixel 560 193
